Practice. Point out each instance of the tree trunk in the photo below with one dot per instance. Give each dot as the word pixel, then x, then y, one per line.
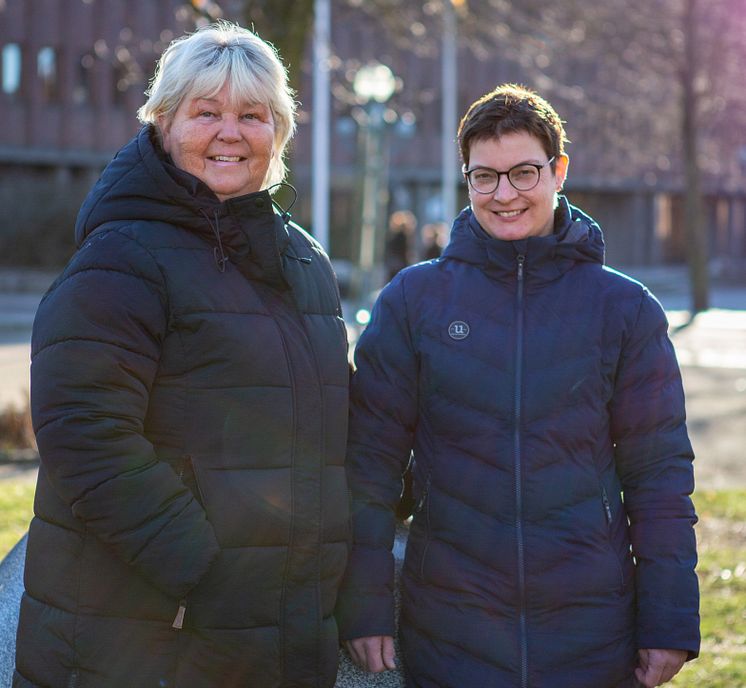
pixel 695 225
pixel 286 24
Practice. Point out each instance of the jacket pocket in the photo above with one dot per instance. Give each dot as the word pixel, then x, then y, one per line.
pixel 609 516
pixel 423 507
pixel 188 476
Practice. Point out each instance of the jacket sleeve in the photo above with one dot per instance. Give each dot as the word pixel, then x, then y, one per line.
pixel 95 352
pixel 654 462
pixel 383 415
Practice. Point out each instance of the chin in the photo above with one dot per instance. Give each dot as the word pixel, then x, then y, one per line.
pixel 510 234
pixel 225 192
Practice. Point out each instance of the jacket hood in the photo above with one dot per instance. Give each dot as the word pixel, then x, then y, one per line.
pixel 142 185
pixel 576 238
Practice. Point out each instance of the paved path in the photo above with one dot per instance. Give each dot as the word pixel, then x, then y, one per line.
pixel 11 587
pixel 16 318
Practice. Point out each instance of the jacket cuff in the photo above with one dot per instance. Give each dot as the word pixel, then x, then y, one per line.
pixel 362 615
pixel 680 632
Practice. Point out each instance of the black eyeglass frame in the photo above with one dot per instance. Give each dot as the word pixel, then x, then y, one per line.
pixel 499 174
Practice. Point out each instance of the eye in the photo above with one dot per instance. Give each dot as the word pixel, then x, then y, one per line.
pixel 257 112
pixel 523 172
pixel 206 114
pixel 483 175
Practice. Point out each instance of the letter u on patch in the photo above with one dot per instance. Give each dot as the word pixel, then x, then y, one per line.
pixel 458 329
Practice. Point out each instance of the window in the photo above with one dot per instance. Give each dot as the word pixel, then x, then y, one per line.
pixel 120 83
pixel 84 75
pixel 11 60
pixel 46 70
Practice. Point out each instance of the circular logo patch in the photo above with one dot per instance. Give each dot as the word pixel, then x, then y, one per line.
pixel 458 329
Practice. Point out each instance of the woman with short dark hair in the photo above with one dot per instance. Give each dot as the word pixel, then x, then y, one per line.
pixel 534 387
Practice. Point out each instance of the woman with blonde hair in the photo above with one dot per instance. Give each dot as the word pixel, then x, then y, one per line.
pixel 189 386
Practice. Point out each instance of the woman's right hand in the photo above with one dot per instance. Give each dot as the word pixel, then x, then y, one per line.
pixel 374 654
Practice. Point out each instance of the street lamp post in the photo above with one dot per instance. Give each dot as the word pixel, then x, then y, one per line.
pixel 373 84
pixel 320 141
pixel 449 104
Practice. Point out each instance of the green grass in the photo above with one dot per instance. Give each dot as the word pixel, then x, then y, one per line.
pixel 16 509
pixel 730 504
pixel 722 576
pixel 722 580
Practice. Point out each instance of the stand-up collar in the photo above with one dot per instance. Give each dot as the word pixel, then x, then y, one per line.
pixel 141 184
pixel 576 238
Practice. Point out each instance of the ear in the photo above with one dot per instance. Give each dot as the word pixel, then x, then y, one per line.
pixel 164 126
pixel 560 171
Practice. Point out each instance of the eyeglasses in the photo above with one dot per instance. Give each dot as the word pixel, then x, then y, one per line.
pixel 523 177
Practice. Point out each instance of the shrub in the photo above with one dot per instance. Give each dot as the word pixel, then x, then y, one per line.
pixel 16 431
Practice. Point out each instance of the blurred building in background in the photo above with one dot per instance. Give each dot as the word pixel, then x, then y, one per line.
pixel 73 72
pixel 72 75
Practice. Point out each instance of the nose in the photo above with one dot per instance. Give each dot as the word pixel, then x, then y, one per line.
pixel 505 191
pixel 229 128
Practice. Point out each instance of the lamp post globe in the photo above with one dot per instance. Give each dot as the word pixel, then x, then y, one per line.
pixel 374 81
pixel 373 84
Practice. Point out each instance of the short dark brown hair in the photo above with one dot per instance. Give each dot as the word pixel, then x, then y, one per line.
pixel 512 108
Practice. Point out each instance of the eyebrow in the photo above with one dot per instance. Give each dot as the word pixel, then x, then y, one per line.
pixel 532 161
pixel 247 104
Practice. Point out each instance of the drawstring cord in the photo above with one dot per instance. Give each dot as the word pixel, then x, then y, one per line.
pixel 284 212
pixel 285 215
pixel 301 259
pixel 219 254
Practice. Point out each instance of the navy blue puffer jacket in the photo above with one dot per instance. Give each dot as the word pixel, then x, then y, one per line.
pixel 189 387
pixel 535 387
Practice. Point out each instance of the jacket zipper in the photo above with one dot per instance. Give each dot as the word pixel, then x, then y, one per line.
pixel 299 317
pixel 293 312
pixel 609 521
pixel 520 259
pixel 178 622
pixel 607 506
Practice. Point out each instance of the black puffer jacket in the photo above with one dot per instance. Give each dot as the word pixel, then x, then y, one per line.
pixel 189 395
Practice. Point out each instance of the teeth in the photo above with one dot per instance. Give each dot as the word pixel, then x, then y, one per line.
pixel 509 213
pixel 226 158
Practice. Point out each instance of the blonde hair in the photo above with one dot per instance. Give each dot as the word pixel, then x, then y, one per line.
pixel 199 64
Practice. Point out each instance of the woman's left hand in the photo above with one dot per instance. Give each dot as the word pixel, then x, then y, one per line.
pixel 658 666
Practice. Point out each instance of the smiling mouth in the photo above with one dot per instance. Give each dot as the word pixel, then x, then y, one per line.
pixel 226 158
pixel 508 213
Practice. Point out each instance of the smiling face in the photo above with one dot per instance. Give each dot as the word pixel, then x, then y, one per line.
pixel 227 143
pixel 507 213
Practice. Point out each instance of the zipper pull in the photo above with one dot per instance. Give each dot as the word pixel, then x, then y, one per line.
pixel 521 259
pixel 178 623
